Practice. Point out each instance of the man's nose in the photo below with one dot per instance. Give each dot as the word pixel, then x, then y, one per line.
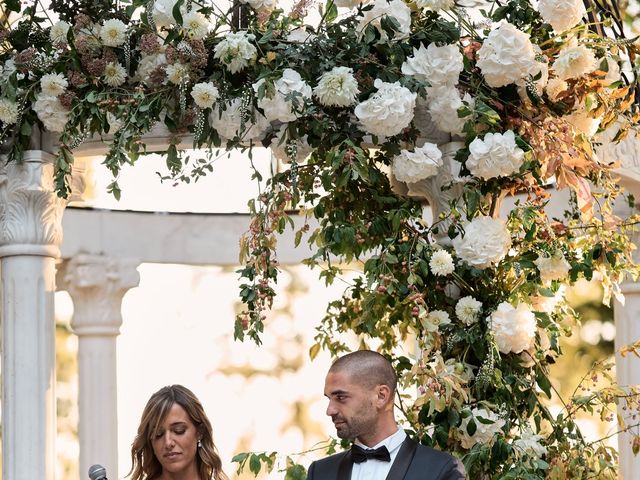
pixel 331 409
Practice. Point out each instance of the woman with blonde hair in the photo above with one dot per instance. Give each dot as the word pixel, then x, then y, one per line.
pixel 174 439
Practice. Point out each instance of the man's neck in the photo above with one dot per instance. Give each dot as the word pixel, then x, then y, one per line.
pixel 379 435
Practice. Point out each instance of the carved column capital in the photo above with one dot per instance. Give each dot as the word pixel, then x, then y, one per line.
pixel 30 210
pixel 96 285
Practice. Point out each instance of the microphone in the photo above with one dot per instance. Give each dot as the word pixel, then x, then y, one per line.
pixel 97 472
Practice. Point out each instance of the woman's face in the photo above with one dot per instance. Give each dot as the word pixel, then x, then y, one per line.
pixel 175 444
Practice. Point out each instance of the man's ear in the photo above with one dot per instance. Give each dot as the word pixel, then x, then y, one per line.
pixel 383 395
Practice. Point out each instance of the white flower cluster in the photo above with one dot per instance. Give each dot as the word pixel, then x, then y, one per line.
pixel 230 122
pixel 177 73
pixel 236 51
pixel 496 155
pixel 574 61
pixel 507 56
pixel 195 25
pixel 561 14
pixel 388 111
pixel 434 320
pixel 384 8
pixel 337 88
pixel 113 33
pixel 484 431
pixel 513 328
pixel 280 106
pixel 8 111
pixel 422 163
pixel 204 94
pixel 162 12
pixel 58 32
pixel 50 111
pixel 552 268
pixel 53 84
pixel 114 74
pixel 486 241
pixel 147 64
pixel 529 444
pixel 441 263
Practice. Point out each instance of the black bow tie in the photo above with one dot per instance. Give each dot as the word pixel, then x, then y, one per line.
pixel 359 454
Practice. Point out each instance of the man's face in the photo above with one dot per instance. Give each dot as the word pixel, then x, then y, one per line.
pixel 351 406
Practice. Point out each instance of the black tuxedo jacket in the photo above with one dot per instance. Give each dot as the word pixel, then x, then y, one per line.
pixel 413 462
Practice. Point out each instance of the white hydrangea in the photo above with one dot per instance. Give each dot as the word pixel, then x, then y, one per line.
pixel 438 66
pixel 443 104
pixel 177 73
pixel 195 25
pixel 441 263
pixel 282 148
pixel 436 5
pixel 163 12
pixel 58 32
pixel 561 14
pixel 229 124
pixel 51 112
pixel 381 8
pixel 7 69
pixel 114 74
pixel 422 163
pixel 513 328
pixel 552 268
pixel 583 121
pixel 574 61
pixel 529 444
pixel 507 56
pixel 280 107
pixel 8 111
pixel 496 155
pixel 113 33
pixel 147 64
pixel 555 87
pixel 388 111
pixel 299 35
pixel 486 241
pixel 236 51
pixel 204 94
pixel 337 88
pixel 468 309
pixel 53 84
pixel 484 431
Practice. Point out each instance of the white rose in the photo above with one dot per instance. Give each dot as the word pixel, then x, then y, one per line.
pixel 113 33
pixel 51 112
pixel 435 5
pixel 514 329
pixel 283 148
pixel 204 94
pixel 58 32
pixel 229 124
pixel 561 14
pixel 53 84
pixel 441 263
pixel 280 107
pixel 388 111
pixel 195 25
pixel 484 431
pixel 236 51
pixel 486 241
pixel 443 104
pixel 574 61
pixel 497 155
pixel 414 166
pixel 468 309
pixel 552 268
pixel 506 56
pixel 381 8
pixel 8 111
pixel 337 88
pixel 438 66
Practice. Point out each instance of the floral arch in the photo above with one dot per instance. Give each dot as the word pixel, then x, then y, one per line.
pixel 377 108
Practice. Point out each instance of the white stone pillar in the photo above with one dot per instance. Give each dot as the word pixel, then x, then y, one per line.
pixel 30 236
pixel 97 285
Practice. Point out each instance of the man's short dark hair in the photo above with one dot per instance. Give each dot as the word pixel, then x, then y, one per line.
pixel 367 368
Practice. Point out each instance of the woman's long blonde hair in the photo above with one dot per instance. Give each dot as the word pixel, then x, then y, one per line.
pixel 145 465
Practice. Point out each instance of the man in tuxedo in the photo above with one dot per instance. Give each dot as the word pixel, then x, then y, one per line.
pixel 361 387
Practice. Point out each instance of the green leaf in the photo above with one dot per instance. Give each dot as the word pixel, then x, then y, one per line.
pixel 332 12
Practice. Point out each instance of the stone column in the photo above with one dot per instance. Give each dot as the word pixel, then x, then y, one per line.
pixel 30 236
pixel 97 285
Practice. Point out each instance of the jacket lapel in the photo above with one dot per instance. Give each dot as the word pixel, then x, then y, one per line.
pixel 402 460
pixel 345 466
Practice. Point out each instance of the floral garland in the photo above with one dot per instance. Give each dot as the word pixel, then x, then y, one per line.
pixel 379 106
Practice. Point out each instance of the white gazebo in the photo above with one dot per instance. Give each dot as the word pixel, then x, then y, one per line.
pixel 97 267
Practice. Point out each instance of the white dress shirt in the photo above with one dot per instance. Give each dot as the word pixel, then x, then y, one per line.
pixel 377 469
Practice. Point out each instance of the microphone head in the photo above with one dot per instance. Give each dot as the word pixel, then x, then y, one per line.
pixel 97 472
